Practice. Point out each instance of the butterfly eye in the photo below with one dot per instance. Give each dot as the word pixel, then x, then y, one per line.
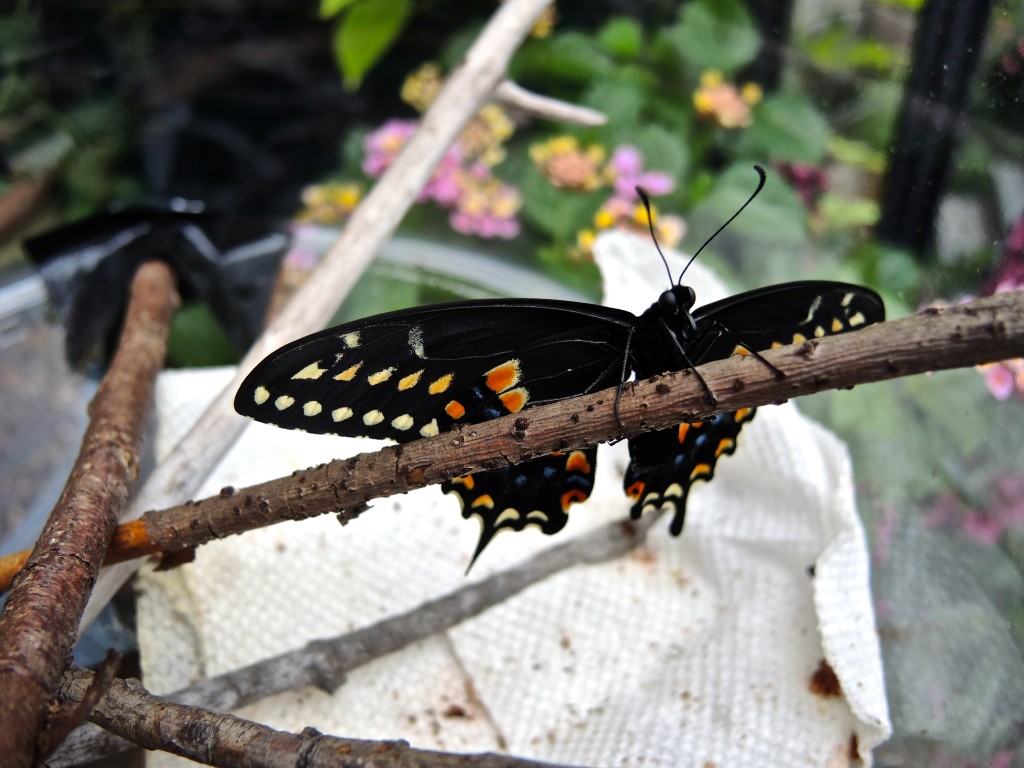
pixel 688 298
pixel 667 303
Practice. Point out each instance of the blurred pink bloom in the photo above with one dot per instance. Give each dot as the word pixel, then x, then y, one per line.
pixel 1005 511
pixel 808 181
pixel 626 169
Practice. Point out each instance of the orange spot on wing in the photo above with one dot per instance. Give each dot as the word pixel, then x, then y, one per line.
pixel 503 376
pixel 483 500
pixel 743 414
pixel 466 481
pixel 515 399
pixel 572 497
pixel 577 462
pixel 684 429
pixel 455 409
pixel 636 490
pixel 740 350
pixel 725 444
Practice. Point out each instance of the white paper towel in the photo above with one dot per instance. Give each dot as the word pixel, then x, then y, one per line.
pixel 695 651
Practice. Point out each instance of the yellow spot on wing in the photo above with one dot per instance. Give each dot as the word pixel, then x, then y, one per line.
pixel 371 418
pixel 701 470
pixel 515 399
pixel 261 395
pixel 483 500
pixel 837 325
pixel 284 401
pixel 437 386
pixel 410 381
pixel 311 371
pixel 340 414
pixel 799 338
pixel 311 408
pixel 349 373
pixel 503 376
pixel 455 409
pixel 857 319
pixel 380 376
pixel 351 339
pixel 819 331
pixel 429 430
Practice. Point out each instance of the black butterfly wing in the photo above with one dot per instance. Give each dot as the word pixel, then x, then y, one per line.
pixel 415 373
pixel 664 464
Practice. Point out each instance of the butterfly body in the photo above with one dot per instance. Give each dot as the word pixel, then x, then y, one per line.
pixel 418 372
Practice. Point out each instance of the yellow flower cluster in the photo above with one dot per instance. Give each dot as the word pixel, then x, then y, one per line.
pixel 329 203
pixel 567 165
pixel 723 102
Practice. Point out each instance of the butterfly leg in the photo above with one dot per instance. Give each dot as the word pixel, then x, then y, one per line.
pixel 708 394
pixel 723 330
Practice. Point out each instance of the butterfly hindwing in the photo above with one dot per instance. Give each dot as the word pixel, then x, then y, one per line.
pixel 537 492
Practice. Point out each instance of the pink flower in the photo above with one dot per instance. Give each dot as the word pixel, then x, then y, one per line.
pixel 1004 511
pixel 626 169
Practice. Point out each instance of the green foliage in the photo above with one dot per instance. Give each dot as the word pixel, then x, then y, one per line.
pixel 786 126
pixel 776 216
pixel 621 38
pixel 363 33
pixel 197 339
pixel 570 58
pixel 711 34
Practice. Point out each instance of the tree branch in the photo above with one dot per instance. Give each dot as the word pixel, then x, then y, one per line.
pixel 325 663
pixel 40 621
pixel 982 331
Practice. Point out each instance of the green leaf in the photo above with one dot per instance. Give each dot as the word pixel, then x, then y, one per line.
pixel 839 211
pixel 363 35
pixel 663 150
pixel 786 126
pixel 713 34
pixel 622 38
pixel 559 213
pixel 570 57
pixel 775 216
pixel 620 102
pixel 197 340
pixel 331 8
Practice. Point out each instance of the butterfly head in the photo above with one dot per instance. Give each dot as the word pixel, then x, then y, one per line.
pixel 679 299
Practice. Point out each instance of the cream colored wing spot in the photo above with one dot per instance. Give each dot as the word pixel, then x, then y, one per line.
pixel 380 376
pixel 371 418
pixel 429 430
pixel 856 319
pixel 283 402
pixel 847 298
pixel 819 331
pixel 311 371
pixel 261 395
pixel 402 422
pixel 312 408
pixel 340 414
pixel 351 340
pixel 349 373
pixel 673 491
pixel 416 342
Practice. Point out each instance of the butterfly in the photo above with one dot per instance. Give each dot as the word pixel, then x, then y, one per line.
pixel 418 372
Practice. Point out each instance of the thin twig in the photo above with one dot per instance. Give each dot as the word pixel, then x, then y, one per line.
pixel 325 663
pixel 40 621
pixel 545 108
pixel 984 330
pixel 373 222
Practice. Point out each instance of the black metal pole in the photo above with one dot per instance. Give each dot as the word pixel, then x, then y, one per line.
pixel 947 45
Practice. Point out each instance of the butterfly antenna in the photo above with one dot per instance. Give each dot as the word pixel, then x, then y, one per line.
pixel 760 186
pixel 642 194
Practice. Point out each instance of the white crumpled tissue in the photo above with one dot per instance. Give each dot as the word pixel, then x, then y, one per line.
pixel 690 651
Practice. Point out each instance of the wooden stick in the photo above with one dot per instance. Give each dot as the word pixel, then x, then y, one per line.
pixel 40 621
